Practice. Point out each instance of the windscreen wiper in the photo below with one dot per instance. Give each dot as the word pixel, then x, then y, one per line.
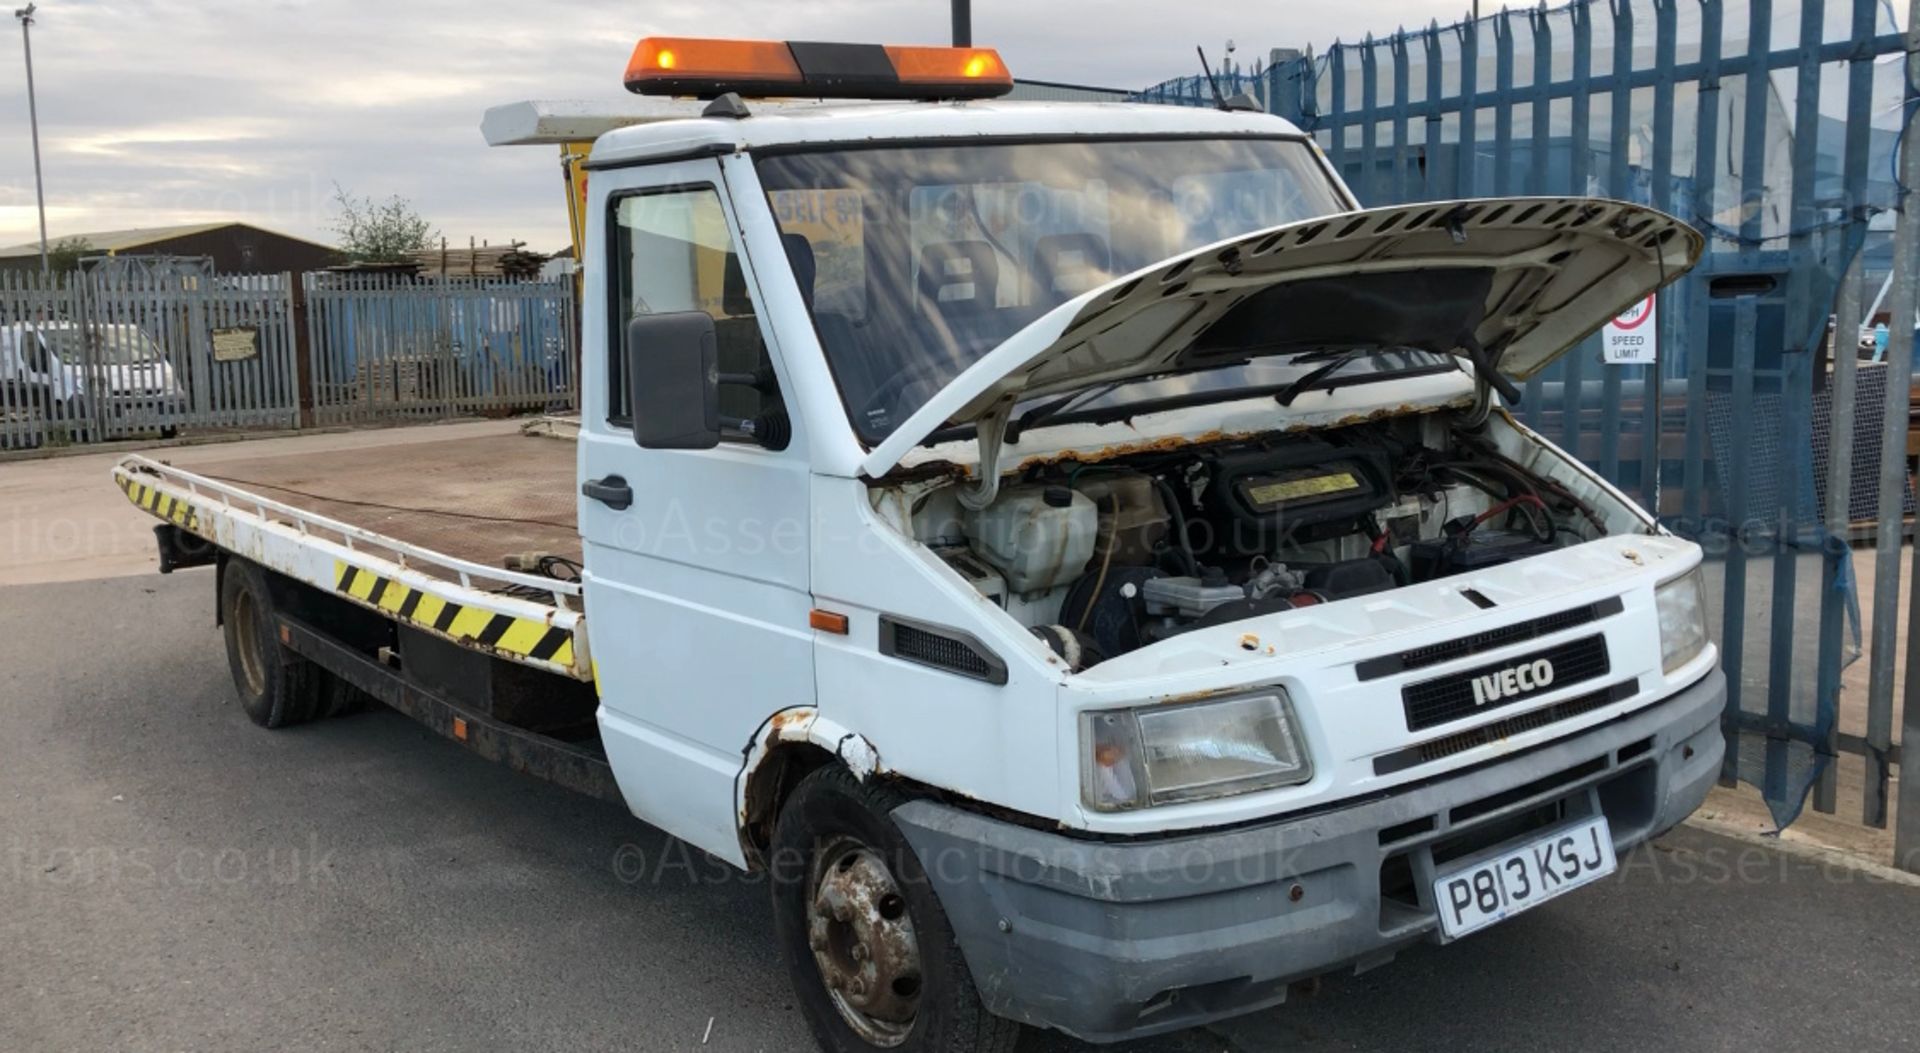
pixel 1048 410
pixel 1317 375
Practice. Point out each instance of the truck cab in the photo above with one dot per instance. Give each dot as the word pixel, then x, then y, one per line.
pixel 1081 555
pixel 1106 477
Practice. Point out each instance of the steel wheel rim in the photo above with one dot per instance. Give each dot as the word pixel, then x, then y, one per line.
pixel 863 942
pixel 246 631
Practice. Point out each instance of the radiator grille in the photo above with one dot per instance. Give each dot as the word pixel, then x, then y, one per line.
pixel 1427 752
pixel 1492 639
pixel 1439 701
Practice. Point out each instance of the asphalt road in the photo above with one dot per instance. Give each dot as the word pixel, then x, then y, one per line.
pixel 172 878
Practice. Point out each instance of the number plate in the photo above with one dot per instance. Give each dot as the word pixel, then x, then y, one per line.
pixel 1494 889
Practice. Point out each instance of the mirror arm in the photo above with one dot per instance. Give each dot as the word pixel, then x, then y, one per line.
pixel 761 380
pixel 772 430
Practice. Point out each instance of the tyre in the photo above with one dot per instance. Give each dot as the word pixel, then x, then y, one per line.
pixel 342 698
pixel 277 687
pixel 73 419
pixel 868 948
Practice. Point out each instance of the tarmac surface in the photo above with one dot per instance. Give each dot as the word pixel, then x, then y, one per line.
pixel 173 878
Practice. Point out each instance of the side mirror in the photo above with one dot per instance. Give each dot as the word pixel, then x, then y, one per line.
pixel 673 381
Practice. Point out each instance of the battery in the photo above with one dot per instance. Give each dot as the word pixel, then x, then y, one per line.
pixel 1474 550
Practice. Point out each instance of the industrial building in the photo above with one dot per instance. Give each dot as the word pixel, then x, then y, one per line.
pixel 232 248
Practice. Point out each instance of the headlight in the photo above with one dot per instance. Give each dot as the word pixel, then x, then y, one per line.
pixel 1683 619
pixel 1131 758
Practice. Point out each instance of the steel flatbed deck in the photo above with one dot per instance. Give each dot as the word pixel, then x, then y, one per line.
pixel 419 533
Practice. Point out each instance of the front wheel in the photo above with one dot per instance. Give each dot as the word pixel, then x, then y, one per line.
pixel 868 948
pixel 72 415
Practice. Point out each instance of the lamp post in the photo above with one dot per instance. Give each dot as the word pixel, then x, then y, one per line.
pixel 962 23
pixel 25 15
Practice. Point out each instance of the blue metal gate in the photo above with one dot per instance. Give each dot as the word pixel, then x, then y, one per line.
pixel 392 347
pixel 1759 429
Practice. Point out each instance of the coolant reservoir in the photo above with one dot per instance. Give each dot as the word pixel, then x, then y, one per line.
pixel 1038 536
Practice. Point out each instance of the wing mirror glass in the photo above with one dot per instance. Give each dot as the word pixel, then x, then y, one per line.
pixel 673 381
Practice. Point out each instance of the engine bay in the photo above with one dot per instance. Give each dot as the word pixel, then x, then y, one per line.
pixel 1101 558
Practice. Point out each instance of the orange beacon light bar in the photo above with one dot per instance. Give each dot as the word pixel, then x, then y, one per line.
pixel 708 68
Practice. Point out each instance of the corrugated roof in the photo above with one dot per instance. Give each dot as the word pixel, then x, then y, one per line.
pixel 111 241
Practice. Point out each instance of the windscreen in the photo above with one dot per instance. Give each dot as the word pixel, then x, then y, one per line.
pixel 917 260
pixel 105 345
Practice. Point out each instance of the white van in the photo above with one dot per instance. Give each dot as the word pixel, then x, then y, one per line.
pixel 112 375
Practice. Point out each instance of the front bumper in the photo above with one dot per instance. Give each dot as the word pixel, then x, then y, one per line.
pixel 1108 941
pixel 154 406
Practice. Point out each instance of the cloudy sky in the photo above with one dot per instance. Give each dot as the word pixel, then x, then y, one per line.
pixel 156 112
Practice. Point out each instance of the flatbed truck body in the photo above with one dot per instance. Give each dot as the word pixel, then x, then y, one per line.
pixel 1080 554
pixel 420 538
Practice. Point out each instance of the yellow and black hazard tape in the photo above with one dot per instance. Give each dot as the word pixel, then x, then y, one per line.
pixel 174 510
pixel 517 637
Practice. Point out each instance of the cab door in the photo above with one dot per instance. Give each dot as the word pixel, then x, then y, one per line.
pixel 44 379
pixel 35 362
pixel 697 570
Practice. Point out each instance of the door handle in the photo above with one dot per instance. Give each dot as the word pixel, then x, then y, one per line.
pixel 612 491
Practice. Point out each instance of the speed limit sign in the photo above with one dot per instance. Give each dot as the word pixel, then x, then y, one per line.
pixel 1630 339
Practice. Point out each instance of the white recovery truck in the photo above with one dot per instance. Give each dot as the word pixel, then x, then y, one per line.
pixel 1086 558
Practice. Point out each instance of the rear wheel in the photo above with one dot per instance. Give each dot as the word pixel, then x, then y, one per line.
pixel 867 945
pixel 277 687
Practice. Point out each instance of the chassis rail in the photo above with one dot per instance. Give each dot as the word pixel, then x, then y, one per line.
pixel 575 767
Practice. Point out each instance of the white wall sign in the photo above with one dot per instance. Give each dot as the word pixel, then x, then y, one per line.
pixel 1630 339
pixel 236 344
